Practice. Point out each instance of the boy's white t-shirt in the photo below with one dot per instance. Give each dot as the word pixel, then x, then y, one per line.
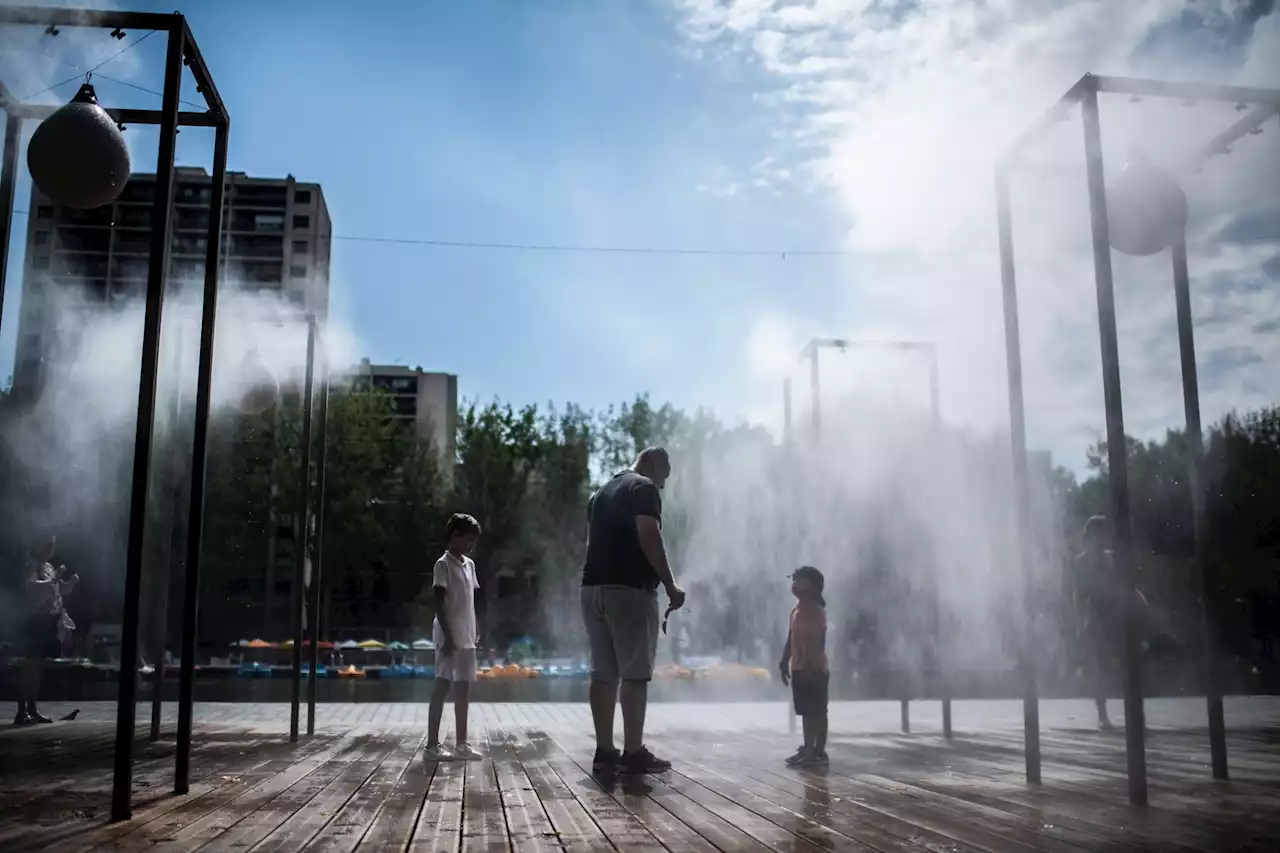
pixel 458 577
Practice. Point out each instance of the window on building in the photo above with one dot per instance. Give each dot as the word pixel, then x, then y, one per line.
pixel 269 222
pixel 301 221
pixel 42 237
pixel 300 246
pixel 302 197
pixel 298 270
pixel 44 211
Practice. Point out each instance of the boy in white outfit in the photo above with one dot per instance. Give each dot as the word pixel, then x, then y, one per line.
pixel 454 634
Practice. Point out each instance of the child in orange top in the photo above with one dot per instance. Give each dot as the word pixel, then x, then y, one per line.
pixel 804 665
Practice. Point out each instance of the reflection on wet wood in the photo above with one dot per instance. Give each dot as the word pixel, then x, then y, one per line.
pixel 362 785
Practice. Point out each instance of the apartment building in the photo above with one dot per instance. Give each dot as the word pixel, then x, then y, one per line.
pixel 276 237
pixel 429 401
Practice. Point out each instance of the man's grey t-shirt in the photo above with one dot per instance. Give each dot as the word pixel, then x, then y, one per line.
pixel 614 555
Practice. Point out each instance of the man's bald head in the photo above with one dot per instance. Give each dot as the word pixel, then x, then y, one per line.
pixel 654 463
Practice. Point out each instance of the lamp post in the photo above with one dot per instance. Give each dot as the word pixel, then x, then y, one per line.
pixel 930 351
pixel 1143 213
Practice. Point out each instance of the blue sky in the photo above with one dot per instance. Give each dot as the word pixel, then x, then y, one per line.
pixel 560 123
pixel 868 126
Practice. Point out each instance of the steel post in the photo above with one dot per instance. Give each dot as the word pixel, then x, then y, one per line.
pixel 8 185
pixel 1022 490
pixel 199 458
pixel 159 638
pixel 1117 447
pixel 813 389
pixel 300 542
pixel 157 275
pixel 944 680
pixel 1199 526
pixel 317 565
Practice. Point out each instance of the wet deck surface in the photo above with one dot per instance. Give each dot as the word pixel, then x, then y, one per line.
pixel 361 784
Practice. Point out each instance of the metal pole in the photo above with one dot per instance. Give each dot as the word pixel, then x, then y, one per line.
pixel 8 185
pixel 199 455
pixel 1022 490
pixel 944 681
pixel 1117 463
pixel 789 450
pixel 157 275
pixel 317 565
pixel 813 388
pixel 300 544
pixel 786 411
pixel 161 626
pixel 1195 462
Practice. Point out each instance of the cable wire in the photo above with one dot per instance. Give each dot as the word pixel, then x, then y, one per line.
pixel 582 249
pixel 69 64
pixel 612 250
pixel 86 72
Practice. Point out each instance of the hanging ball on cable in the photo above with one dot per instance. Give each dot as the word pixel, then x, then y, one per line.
pixel 1146 209
pixel 78 156
pixel 257 386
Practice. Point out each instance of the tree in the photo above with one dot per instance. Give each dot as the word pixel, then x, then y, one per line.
pixel 498 452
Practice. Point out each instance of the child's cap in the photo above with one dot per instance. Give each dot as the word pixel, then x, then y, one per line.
pixel 811 574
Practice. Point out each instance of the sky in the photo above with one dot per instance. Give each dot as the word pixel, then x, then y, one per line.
pixel 866 130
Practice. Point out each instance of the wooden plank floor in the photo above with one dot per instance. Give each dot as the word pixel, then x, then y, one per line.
pixel 362 785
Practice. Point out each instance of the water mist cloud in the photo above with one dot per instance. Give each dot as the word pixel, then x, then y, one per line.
pixel 900 110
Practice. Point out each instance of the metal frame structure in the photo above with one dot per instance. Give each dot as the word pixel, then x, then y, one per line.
pixel 1266 104
pixel 306 589
pixel 930 351
pixel 182 51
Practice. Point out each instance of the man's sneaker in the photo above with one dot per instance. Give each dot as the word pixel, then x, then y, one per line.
pixel 439 752
pixel 605 760
pixel 464 752
pixel 814 759
pixel 643 761
pixel 800 755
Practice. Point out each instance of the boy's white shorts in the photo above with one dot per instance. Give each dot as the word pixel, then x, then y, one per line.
pixel 458 665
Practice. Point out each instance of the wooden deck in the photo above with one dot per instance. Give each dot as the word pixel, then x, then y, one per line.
pixel 362 785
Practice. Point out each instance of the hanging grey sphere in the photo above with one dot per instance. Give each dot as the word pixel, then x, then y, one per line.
pixel 1146 209
pixel 78 156
pixel 257 390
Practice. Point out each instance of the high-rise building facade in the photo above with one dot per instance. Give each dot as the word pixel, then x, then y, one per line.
pixel 276 237
pixel 427 400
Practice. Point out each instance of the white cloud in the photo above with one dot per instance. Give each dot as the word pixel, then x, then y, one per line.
pixel 901 109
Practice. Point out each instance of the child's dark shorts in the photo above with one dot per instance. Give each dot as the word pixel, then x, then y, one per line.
pixel 809 692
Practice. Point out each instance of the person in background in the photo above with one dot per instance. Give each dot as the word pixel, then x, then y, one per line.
pixel 45 624
pixel 804 665
pixel 1100 611
pixel 454 634
pixel 626 562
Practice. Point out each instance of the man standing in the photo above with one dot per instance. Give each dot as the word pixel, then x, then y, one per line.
pixel 626 561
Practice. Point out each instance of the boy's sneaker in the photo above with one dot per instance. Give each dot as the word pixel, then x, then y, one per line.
pixel 644 761
pixel 800 755
pixel 814 759
pixel 605 760
pixel 464 752
pixel 439 752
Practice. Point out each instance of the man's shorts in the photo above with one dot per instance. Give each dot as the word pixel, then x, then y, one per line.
pixel 458 665
pixel 809 693
pixel 622 631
